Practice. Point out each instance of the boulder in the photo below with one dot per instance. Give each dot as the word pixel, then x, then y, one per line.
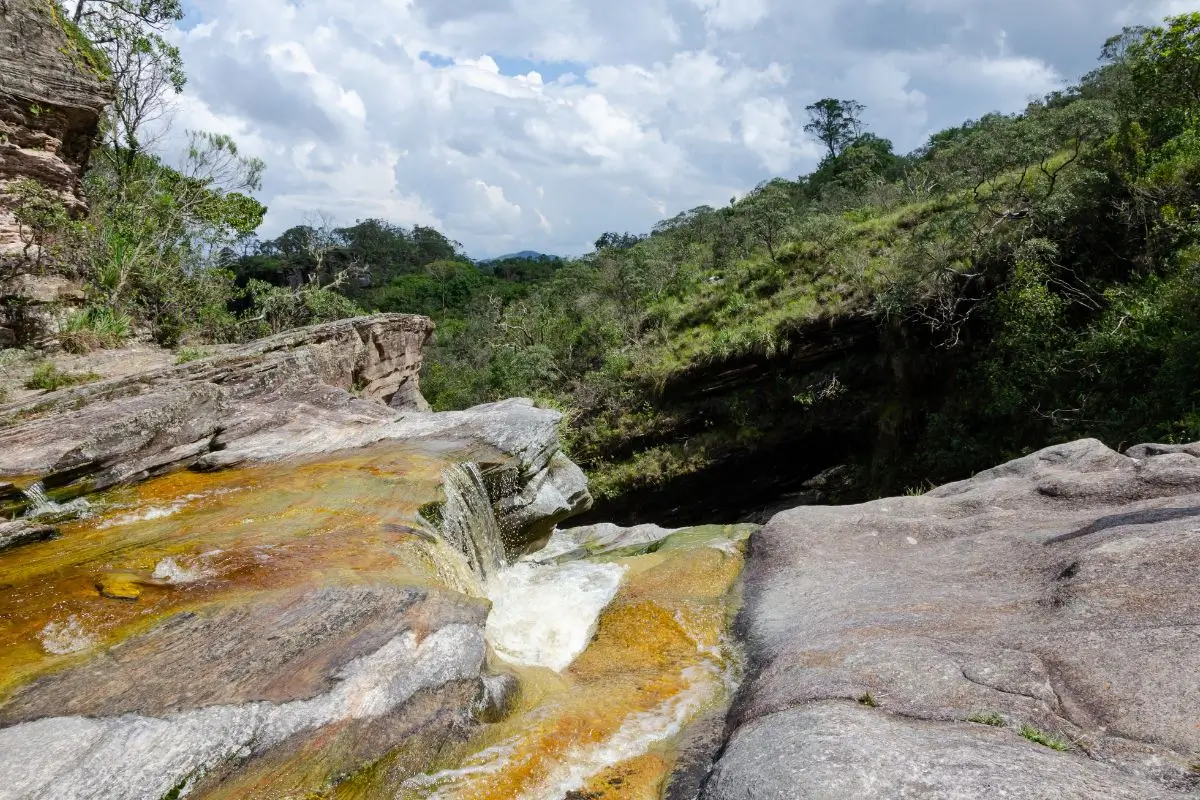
pixel 16 533
pixel 1030 632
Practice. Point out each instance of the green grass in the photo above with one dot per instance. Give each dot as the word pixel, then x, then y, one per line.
pixel 868 700
pixel 186 355
pixel 992 718
pixel 95 328
pixel 48 377
pixel 1038 737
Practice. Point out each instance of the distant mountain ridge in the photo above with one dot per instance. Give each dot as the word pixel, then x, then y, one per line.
pixel 529 255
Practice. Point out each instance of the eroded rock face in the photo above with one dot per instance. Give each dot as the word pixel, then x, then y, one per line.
pixel 51 99
pixel 900 647
pixel 326 382
pixel 328 388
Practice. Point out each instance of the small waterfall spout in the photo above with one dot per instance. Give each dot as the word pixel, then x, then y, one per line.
pixel 468 521
pixel 42 507
pixel 40 502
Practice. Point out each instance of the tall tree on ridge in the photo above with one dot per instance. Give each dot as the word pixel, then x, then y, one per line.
pixel 836 123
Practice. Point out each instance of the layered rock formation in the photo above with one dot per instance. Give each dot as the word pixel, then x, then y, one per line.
pixel 1031 632
pixel 51 98
pixel 339 386
pixel 254 607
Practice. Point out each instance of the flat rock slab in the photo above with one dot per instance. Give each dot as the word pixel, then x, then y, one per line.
pixel 1055 597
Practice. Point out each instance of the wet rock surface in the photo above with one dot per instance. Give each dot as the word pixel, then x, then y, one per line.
pixel 1030 632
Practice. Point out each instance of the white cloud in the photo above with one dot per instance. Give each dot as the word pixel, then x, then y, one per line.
pixel 732 15
pixel 767 132
pixel 673 103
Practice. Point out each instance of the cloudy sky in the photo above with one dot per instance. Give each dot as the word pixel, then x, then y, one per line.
pixel 539 124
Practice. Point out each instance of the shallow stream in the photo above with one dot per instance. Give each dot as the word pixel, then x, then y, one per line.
pixel 616 656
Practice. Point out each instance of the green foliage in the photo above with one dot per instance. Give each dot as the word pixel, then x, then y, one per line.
pixel 1038 737
pixel 95 328
pixel 45 227
pixel 186 355
pixel 273 309
pixel 991 718
pixel 48 377
pixel 1045 259
pixel 868 700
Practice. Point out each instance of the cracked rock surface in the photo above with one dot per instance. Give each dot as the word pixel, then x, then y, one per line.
pixel 1055 595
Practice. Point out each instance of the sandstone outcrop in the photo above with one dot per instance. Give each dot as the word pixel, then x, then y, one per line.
pixel 339 386
pixel 1030 632
pixel 52 95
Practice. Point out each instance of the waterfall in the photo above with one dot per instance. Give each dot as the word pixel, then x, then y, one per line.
pixel 468 521
pixel 41 506
pixel 39 502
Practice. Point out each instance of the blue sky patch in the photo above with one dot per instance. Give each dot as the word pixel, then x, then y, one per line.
pixel 549 70
pixel 436 59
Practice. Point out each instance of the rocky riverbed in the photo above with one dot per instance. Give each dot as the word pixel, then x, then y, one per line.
pixel 273 574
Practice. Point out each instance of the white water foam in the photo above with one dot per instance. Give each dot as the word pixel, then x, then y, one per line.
pixel 65 638
pixel 546 615
pixel 169 570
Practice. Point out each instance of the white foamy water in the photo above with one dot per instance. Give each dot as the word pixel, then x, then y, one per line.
pixel 546 615
pixel 65 638
pixel 171 571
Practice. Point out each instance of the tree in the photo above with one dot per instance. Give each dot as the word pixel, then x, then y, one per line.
pixel 617 241
pixel 770 211
pixel 145 68
pixel 835 123
pixel 1164 66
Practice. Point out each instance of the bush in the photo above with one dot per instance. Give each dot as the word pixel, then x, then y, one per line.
pixel 48 377
pixel 95 328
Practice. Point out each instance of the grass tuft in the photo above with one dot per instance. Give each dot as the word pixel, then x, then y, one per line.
pixel 1054 743
pixel 869 700
pixel 186 355
pixel 95 328
pixel 48 377
pixel 992 718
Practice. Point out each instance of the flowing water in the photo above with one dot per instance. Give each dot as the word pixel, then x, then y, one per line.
pixel 615 656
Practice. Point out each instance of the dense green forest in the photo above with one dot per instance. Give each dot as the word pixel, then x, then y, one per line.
pixel 906 318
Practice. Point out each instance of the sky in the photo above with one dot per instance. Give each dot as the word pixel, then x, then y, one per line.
pixel 539 124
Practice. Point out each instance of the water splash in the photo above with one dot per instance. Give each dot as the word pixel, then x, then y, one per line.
pixel 42 507
pixel 65 638
pixel 546 615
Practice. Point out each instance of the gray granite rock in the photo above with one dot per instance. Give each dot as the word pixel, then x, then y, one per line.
pixel 1055 594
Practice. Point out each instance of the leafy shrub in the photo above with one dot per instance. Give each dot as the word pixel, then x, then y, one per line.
pixel 48 377
pixel 95 328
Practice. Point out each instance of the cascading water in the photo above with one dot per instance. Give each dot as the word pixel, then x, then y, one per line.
pixel 42 507
pixel 542 615
pixel 615 654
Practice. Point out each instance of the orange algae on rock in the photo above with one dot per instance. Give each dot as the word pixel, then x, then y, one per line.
pixel 607 728
pixel 189 540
